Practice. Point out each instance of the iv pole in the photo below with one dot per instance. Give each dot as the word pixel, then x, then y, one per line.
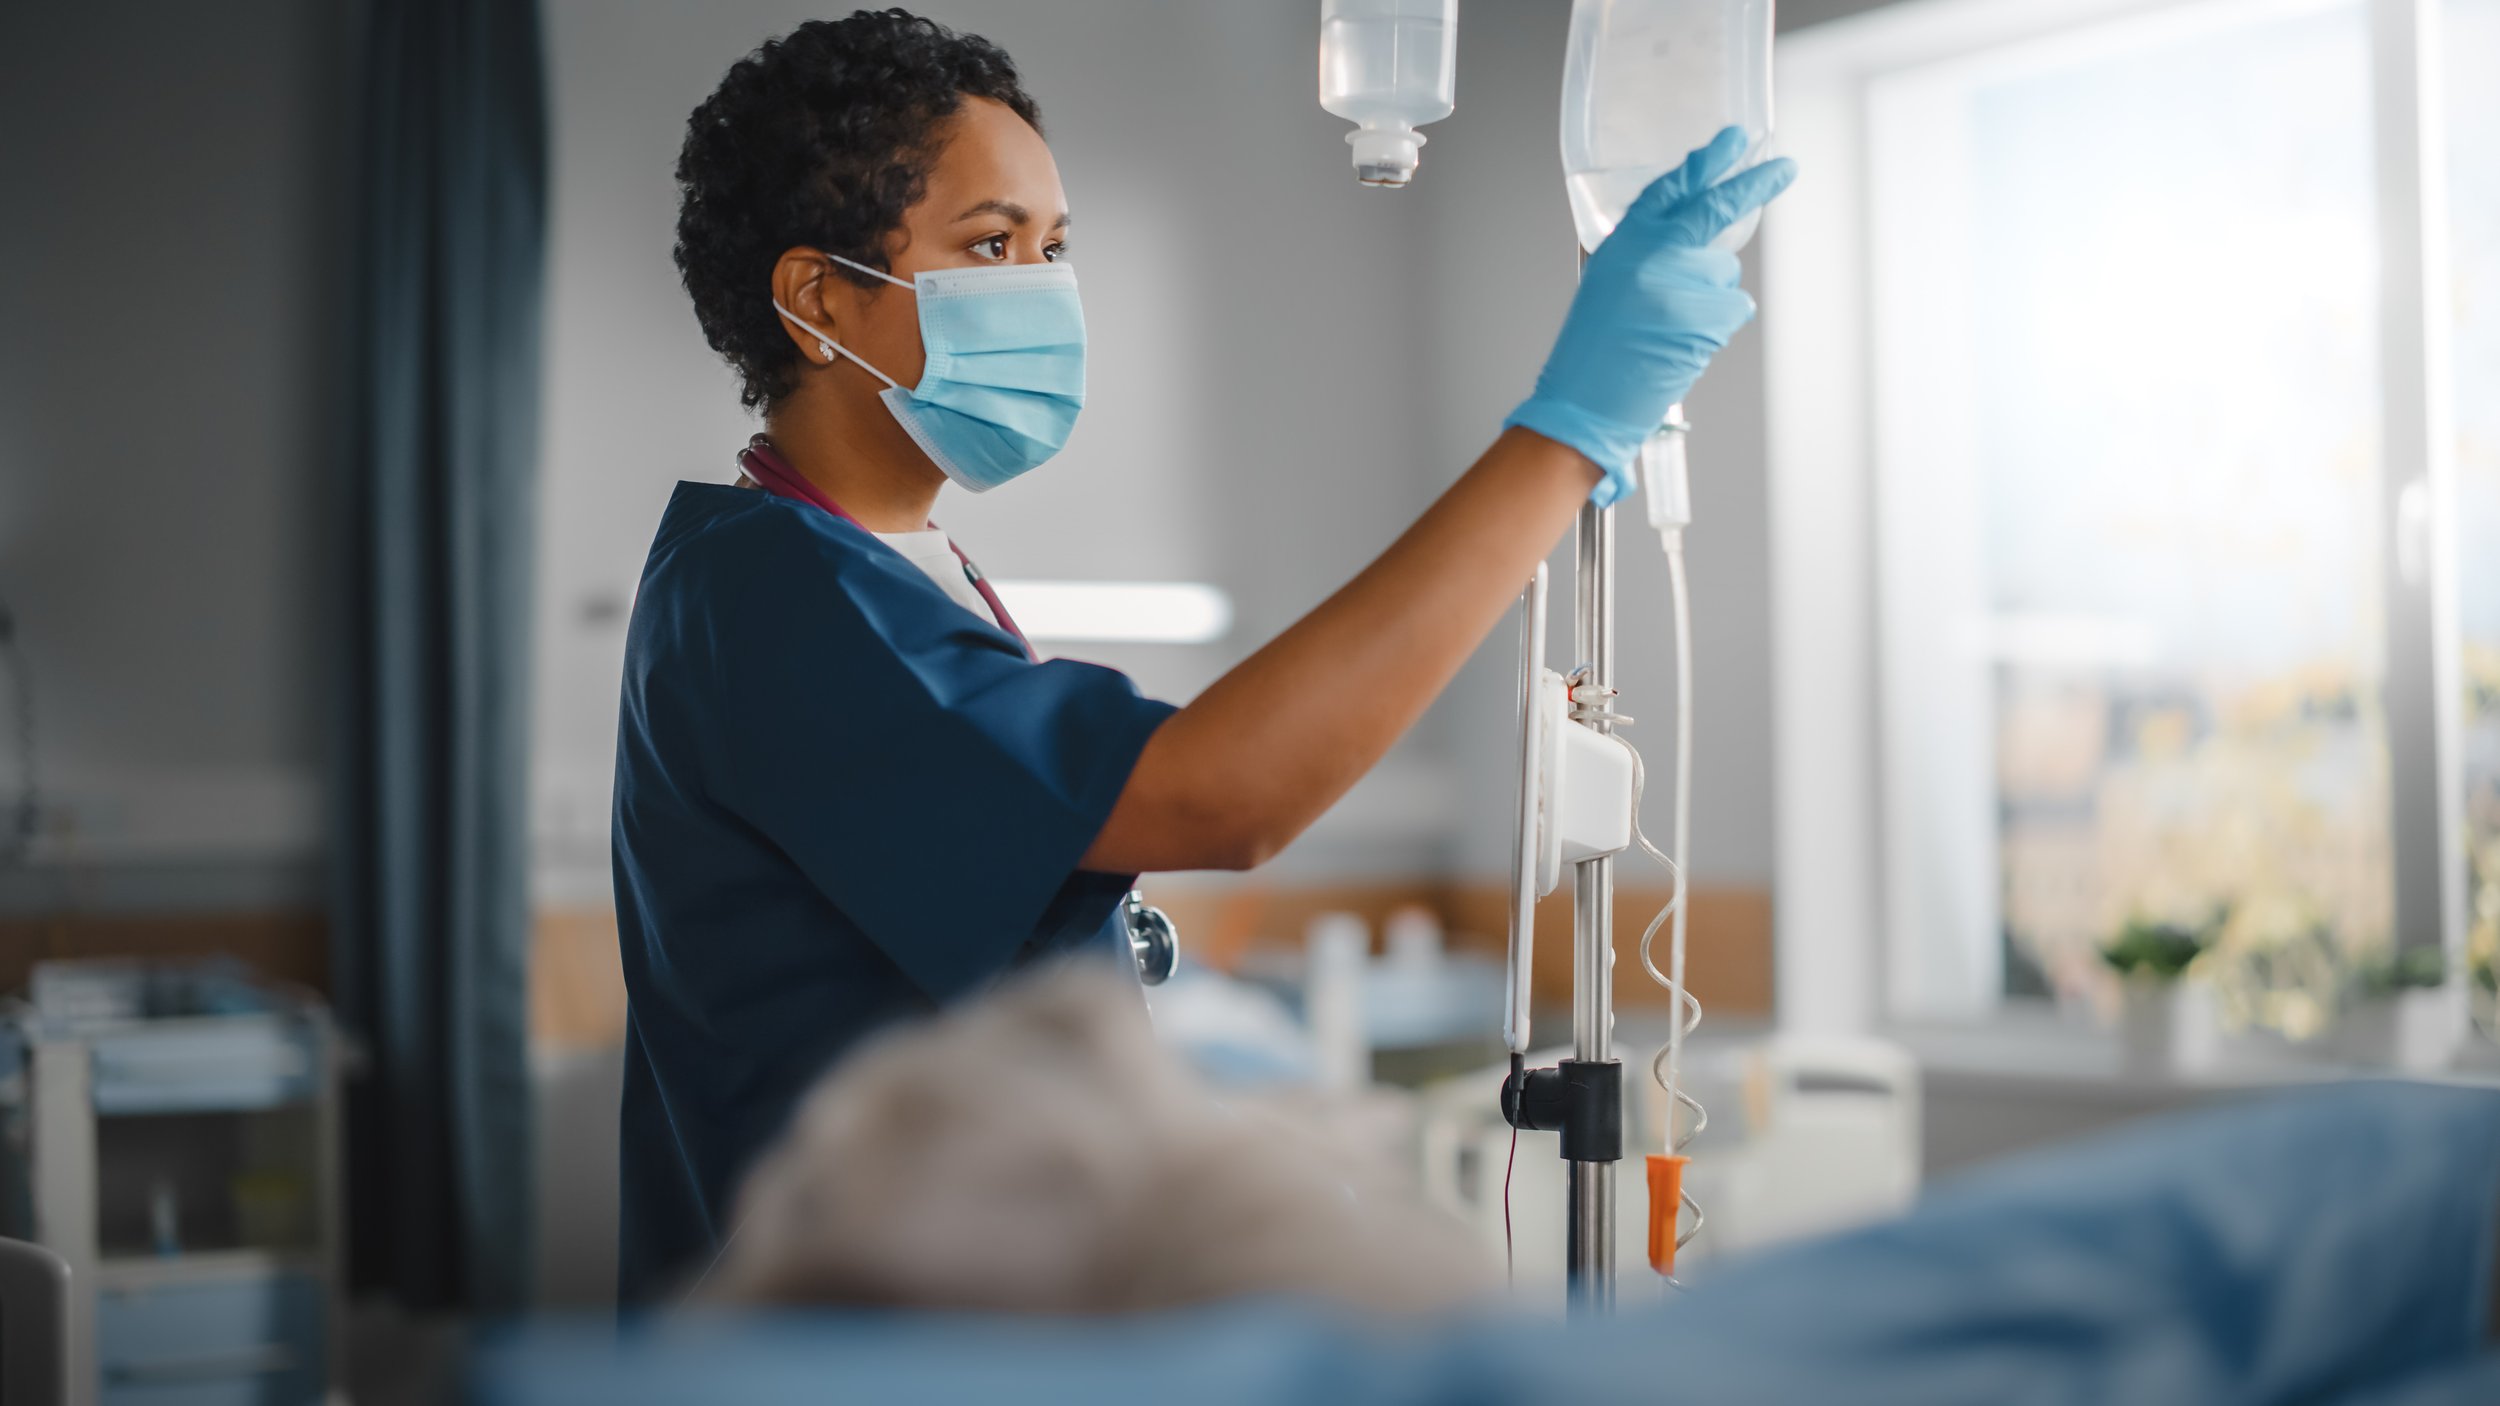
pixel 1590 1258
pixel 1582 1098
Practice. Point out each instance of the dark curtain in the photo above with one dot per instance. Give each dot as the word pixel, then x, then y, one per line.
pixel 432 932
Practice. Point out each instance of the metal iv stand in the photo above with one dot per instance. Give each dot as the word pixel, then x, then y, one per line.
pixel 1582 1098
pixel 1590 1260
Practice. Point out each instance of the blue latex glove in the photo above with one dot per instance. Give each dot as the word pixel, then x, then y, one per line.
pixel 1656 302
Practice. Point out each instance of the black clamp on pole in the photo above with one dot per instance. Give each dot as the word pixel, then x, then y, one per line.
pixel 1581 1100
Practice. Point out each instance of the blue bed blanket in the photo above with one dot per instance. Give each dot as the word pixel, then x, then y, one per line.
pixel 2330 1246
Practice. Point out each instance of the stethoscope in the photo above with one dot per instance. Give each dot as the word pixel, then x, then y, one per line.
pixel 1152 939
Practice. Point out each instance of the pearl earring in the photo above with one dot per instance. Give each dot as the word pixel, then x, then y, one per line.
pixel 824 349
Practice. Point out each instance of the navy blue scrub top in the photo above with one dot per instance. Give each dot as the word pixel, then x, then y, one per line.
pixel 842 799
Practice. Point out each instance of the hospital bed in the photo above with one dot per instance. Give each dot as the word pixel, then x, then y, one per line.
pixel 34 1325
pixel 1813 1134
pixel 2333 1246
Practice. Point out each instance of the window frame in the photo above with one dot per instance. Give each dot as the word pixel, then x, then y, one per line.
pixel 1832 804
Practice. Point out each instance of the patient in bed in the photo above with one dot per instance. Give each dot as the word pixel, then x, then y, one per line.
pixel 1037 1153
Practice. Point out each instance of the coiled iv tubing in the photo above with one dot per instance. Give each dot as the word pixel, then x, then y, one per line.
pixel 1666 1067
pixel 1596 705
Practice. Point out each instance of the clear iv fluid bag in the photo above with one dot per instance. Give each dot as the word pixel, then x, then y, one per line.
pixel 1647 81
pixel 1389 66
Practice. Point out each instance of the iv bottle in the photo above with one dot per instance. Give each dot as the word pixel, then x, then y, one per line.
pixel 1388 66
pixel 1647 81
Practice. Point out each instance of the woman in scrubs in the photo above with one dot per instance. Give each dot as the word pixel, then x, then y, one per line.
pixel 846 793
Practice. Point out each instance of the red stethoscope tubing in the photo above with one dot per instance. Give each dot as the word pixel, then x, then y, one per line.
pixel 774 475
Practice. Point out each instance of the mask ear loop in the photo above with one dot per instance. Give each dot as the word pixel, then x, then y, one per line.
pixel 873 273
pixel 826 346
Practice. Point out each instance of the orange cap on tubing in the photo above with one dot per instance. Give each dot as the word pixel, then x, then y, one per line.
pixel 1666 1198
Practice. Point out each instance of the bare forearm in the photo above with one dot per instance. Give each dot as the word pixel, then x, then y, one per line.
pixel 1275 742
pixel 1229 779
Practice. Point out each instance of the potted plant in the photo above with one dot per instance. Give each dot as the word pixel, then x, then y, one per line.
pixel 2166 1020
pixel 2401 1011
pixel 2482 946
pixel 2482 994
pixel 2285 978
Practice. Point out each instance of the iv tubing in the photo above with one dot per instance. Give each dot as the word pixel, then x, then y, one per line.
pixel 1682 1025
pixel 1515 1026
pixel 1670 508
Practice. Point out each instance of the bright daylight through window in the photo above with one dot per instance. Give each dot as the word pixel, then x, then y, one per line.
pixel 2474 208
pixel 2135 459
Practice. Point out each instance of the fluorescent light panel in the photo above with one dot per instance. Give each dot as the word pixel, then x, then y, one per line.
pixel 1119 612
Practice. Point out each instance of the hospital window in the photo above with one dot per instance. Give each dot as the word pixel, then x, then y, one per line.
pixel 2129 417
pixel 2474 208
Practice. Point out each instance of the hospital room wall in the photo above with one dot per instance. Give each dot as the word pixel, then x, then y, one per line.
pixel 172 259
pixel 1287 367
pixel 1273 408
pixel 1257 405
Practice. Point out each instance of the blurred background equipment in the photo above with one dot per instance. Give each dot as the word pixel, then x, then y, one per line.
pixel 34 1324
pixel 1154 941
pixel 24 815
pixel 173 1136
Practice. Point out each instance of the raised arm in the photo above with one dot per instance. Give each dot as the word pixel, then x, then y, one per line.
pixel 1236 775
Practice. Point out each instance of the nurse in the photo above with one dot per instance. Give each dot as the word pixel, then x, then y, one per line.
pixel 846 793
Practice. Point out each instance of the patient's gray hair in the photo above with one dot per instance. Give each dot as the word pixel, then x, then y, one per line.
pixel 1037 1151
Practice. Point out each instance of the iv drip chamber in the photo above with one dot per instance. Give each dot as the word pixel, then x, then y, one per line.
pixel 1645 82
pixel 1388 66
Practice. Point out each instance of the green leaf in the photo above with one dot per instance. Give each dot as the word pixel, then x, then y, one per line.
pixel 2159 951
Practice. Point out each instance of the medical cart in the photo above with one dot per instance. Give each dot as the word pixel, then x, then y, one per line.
pixel 172 1131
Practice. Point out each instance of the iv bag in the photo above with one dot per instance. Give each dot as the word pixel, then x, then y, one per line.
pixel 1645 82
pixel 1388 66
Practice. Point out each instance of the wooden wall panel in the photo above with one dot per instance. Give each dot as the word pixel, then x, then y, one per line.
pixel 1727 945
pixel 289 945
pixel 577 988
pixel 577 980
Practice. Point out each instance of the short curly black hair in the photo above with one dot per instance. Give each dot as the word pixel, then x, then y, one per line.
pixel 824 138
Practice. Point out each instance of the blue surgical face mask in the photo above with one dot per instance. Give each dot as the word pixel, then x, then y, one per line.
pixel 1005 370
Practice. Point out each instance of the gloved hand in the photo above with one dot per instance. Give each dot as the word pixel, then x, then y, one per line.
pixel 1656 302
